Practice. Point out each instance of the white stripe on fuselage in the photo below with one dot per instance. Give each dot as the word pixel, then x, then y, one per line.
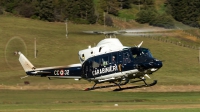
pixel 114 75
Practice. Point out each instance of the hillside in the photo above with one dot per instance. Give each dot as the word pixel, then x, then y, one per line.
pixel 180 67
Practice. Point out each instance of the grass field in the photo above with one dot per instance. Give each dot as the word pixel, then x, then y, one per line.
pixel 180 71
pixel 74 100
pixel 180 67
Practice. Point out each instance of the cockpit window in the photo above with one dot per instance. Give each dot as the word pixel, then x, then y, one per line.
pixel 140 52
pixel 146 52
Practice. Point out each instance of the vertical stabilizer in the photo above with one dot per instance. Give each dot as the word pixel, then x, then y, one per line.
pixel 26 64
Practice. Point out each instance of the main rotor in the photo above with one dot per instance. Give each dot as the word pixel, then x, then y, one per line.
pixel 130 32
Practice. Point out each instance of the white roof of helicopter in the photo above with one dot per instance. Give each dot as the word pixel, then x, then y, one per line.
pixel 104 46
pixel 110 41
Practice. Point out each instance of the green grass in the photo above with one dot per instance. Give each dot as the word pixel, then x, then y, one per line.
pixel 159 4
pixel 180 66
pixel 129 14
pixel 73 100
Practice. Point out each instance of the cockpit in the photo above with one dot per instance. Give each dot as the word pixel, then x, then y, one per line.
pixel 144 58
pixel 146 52
pixel 141 52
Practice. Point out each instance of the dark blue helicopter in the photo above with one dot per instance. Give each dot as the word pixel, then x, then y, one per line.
pixel 109 61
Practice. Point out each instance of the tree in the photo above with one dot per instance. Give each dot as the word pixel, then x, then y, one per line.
pixel 10 5
pixel 187 12
pixel 80 11
pixel 1 10
pixel 110 6
pixel 108 20
pixel 162 21
pixel 26 8
pixel 149 14
pixel 145 16
pixel 99 12
pixel 45 10
pixel 90 12
pixel 125 4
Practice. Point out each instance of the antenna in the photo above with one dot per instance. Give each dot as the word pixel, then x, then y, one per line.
pixel 66 29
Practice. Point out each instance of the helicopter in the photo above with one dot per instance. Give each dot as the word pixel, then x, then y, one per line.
pixel 109 61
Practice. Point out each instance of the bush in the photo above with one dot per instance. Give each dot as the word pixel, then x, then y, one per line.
pixel 108 20
pixel 26 10
pixel 9 7
pixel 162 21
pixel 145 16
pixel 80 21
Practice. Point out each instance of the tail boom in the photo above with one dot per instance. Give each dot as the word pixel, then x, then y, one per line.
pixel 72 71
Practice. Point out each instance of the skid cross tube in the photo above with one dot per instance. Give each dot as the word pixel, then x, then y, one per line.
pixel 135 87
pixel 115 84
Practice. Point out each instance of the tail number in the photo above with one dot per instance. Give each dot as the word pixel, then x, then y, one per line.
pixel 61 72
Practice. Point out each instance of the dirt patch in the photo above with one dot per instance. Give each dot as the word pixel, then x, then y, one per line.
pixel 136 107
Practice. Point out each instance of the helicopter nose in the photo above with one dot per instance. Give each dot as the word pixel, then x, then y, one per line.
pixel 153 63
pixel 157 63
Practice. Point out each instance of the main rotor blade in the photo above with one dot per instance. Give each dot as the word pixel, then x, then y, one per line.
pixel 143 30
pixel 143 34
pixel 139 44
pixel 101 32
pixel 93 32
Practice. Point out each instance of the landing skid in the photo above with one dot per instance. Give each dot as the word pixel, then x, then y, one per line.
pixel 121 84
pixel 101 87
pixel 135 87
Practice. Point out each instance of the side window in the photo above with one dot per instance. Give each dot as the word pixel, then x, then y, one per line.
pixel 96 62
pixel 126 58
pixel 90 65
pixel 104 61
pixel 113 58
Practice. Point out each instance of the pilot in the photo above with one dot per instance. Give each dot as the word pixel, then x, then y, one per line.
pixel 113 60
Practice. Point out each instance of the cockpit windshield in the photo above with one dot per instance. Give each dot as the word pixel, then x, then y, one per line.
pixel 137 52
pixel 146 52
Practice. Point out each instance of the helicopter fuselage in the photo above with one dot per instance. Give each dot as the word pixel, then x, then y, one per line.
pixel 120 65
pixel 109 61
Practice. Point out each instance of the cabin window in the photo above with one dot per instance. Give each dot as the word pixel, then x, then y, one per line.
pixel 114 59
pixel 104 61
pixel 96 62
pixel 90 65
pixel 126 58
pixel 100 49
pixel 82 58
